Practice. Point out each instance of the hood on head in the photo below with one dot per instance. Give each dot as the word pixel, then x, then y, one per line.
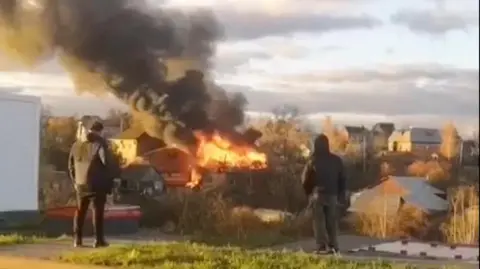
pixel 93 137
pixel 321 145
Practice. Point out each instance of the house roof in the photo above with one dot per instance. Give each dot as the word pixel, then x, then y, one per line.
pixel 386 128
pixel 390 192
pixel 373 201
pixel 133 132
pixel 88 120
pixel 417 135
pixel 355 129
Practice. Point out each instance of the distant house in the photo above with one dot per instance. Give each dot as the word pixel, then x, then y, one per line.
pixel 379 135
pixel 134 142
pixel 141 151
pixel 470 152
pixel 393 192
pixel 470 148
pixel 111 128
pixel 415 139
pixel 355 134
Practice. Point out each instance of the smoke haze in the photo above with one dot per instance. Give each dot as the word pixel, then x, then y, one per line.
pixel 126 48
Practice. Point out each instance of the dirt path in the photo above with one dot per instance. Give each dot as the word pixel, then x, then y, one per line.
pixel 16 262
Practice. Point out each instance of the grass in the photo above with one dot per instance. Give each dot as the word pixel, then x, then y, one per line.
pixel 17 239
pixel 186 255
pixel 250 241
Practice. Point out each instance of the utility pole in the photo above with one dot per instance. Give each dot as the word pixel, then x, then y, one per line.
pixel 460 158
pixel 364 152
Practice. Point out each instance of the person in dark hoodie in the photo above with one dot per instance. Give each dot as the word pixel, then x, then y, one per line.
pixel 92 168
pixel 325 183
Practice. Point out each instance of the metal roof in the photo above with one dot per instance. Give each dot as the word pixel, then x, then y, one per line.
pixel 416 184
pixel 415 191
pixel 417 135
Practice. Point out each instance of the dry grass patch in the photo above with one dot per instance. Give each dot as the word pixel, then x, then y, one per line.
pixel 408 222
pixel 462 224
pixel 432 170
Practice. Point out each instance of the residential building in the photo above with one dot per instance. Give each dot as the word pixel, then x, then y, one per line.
pixel 379 135
pixel 394 192
pixel 469 152
pixel 415 139
pixel 141 152
pixel 355 134
pixel 111 128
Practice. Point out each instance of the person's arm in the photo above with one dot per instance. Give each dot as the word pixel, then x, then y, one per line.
pixel 101 155
pixel 111 164
pixel 71 164
pixel 308 180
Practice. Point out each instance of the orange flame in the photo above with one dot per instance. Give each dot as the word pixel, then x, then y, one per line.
pixel 217 152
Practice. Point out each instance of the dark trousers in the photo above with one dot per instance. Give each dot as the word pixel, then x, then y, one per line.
pixel 98 202
pixel 325 220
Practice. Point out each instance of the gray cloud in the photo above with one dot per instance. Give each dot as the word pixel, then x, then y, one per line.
pixel 8 64
pixel 426 95
pixel 251 25
pixel 404 91
pixel 400 73
pixel 435 21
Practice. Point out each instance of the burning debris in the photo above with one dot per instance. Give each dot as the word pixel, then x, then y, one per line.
pixel 124 48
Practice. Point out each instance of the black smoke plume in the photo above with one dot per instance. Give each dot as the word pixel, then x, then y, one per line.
pixel 123 47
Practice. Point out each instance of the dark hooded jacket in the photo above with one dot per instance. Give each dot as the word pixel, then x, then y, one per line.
pixel 90 172
pixel 324 172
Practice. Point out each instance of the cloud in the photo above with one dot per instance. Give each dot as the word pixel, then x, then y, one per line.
pixel 435 21
pixel 423 95
pixel 10 65
pixel 257 25
pixel 248 19
pixel 409 91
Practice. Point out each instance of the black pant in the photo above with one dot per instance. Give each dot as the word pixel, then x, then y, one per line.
pixel 98 202
pixel 325 214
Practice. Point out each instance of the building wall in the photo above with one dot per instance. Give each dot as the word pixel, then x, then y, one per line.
pixel 425 148
pixel 127 149
pixel 401 146
pixel 378 142
pixel 404 146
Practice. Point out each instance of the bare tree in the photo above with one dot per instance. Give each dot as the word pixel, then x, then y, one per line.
pixel 450 141
pixel 286 112
pixel 338 139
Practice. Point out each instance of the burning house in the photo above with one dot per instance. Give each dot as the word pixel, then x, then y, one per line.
pixel 137 149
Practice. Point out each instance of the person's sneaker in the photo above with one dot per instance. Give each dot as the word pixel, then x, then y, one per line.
pixel 100 244
pixel 77 243
pixel 322 249
pixel 333 251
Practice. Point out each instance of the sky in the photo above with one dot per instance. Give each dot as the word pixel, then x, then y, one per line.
pixel 413 62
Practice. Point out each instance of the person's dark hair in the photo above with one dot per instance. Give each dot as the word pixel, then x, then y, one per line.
pixel 96 127
pixel 321 145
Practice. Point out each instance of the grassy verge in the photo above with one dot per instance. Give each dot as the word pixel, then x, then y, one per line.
pixel 17 239
pixel 185 255
pixel 250 241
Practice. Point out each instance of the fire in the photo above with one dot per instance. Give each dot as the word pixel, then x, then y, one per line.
pixel 217 152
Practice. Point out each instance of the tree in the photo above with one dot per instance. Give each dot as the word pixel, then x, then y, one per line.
pixel 119 118
pixel 450 141
pixel 286 112
pixel 59 133
pixel 338 139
